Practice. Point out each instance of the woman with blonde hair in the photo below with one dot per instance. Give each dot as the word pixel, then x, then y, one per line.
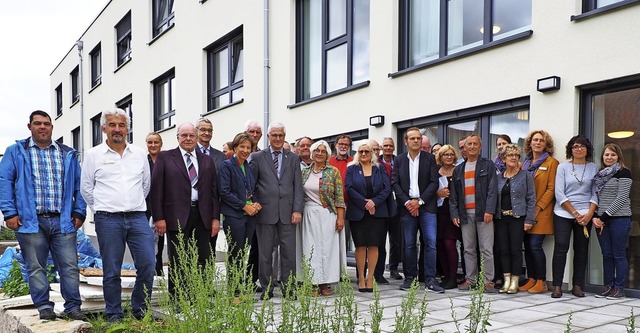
pixel 368 187
pixel 448 233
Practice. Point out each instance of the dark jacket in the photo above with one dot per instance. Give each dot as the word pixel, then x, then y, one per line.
pixel 357 189
pixel 486 183
pixel 427 181
pixel 235 187
pixel 523 196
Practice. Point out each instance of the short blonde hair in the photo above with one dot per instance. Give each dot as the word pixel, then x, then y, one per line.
pixel 356 157
pixel 443 150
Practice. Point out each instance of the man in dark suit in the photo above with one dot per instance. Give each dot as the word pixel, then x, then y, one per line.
pixel 184 197
pixel 415 182
pixel 279 189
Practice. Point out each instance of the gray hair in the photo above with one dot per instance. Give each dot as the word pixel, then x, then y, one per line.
pixel 252 123
pixel 183 125
pixel 114 112
pixel 276 126
pixel 356 157
pixel 319 143
pixel 204 120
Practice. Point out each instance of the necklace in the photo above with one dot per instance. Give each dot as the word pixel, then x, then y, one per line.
pixel 313 169
pixel 573 173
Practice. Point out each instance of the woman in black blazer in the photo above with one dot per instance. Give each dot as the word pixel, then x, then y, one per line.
pixel 236 187
pixel 368 188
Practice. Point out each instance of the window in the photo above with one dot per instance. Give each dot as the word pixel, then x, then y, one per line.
pixel 162 16
pixel 123 40
pixel 333 46
pixel 96 66
pixel 225 70
pixel 432 29
pixel 163 101
pixel 125 104
pixel 75 138
pixel 75 85
pixel 59 100
pixel 595 4
pixel 96 130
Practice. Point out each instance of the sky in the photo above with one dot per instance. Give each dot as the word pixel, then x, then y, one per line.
pixel 35 36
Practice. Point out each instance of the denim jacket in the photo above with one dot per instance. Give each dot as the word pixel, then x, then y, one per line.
pixel 523 196
pixel 17 194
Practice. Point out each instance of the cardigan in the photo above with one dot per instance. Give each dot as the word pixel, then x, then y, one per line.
pixel 331 195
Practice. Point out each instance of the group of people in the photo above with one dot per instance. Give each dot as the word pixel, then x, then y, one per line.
pixel 295 204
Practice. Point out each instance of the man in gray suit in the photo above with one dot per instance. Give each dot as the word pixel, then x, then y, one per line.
pixel 279 187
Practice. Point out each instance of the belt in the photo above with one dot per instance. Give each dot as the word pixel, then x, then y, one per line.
pixel 194 203
pixel 509 213
pixel 49 214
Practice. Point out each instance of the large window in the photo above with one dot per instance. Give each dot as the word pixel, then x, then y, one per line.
pixel 123 40
pixel 162 16
pixel 163 100
pixel 75 138
pixel 595 4
pixel 75 85
pixel 333 45
pixel 126 105
pixel 225 70
pixel 96 65
pixel 432 29
pixel 59 100
pixel 96 130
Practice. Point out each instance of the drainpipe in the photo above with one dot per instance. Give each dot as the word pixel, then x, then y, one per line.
pixel 79 44
pixel 266 69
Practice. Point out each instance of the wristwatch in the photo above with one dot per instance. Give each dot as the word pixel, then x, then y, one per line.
pixel 420 201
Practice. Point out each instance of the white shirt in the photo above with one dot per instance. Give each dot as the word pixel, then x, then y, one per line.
pixel 194 160
pixel 414 169
pixel 114 183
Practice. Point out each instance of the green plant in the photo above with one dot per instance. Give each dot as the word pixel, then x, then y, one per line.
pixel 568 326
pixel 480 308
pixel 410 320
pixel 632 323
pixel 7 234
pixel 15 285
pixel 376 310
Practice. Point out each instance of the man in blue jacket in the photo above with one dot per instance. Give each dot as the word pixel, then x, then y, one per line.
pixel 40 199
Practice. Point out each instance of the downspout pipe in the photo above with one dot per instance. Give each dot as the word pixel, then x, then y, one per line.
pixel 80 46
pixel 266 69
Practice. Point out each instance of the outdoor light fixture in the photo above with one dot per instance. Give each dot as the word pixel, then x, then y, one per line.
pixel 376 121
pixel 549 83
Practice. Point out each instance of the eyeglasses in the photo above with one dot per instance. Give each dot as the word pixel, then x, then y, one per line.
pixel 364 152
pixel 578 147
pixel 513 155
pixel 187 136
pixel 449 155
pixel 254 132
pixel 342 144
pixel 277 136
pixel 206 130
pixel 320 151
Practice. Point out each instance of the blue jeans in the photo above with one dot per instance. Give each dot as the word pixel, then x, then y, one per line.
pixel 428 224
pixel 35 248
pixel 535 257
pixel 613 243
pixel 115 230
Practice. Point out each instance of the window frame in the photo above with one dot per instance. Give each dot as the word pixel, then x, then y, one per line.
pixel 126 104
pixel 590 8
pixel 96 130
pixel 123 40
pixel 75 138
pixel 159 117
pixel 59 103
pixel 75 85
pixel 95 57
pixel 229 42
pixel 160 25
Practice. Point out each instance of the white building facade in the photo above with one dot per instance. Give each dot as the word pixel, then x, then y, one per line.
pixel 325 67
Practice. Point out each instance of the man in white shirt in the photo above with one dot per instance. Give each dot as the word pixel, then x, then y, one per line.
pixel 115 182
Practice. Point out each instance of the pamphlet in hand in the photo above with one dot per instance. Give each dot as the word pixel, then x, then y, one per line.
pixel 442 183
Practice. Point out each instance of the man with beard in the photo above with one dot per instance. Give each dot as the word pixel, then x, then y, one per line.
pixel 115 183
pixel 340 160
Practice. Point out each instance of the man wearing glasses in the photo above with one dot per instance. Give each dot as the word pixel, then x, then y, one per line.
pixel 340 160
pixel 415 182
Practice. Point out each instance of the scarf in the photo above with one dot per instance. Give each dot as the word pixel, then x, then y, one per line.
pixel 499 164
pixel 532 167
pixel 603 176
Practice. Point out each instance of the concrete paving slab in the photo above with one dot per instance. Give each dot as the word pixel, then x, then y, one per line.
pixel 533 327
pixel 617 310
pixel 584 319
pixel 519 316
pixel 26 300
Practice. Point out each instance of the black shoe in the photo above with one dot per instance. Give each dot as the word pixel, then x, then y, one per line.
pixel 607 291
pixel 139 315
pixel 406 285
pixel 75 314
pixel 617 293
pixel 433 285
pixel 449 284
pixel 257 289
pixel 395 275
pixel 381 280
pixel 114 319
pixel 266 295
pixel 47 314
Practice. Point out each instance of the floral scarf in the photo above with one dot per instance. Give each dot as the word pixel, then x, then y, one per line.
pixel 532 167
pixel 603 176
pixel 500 166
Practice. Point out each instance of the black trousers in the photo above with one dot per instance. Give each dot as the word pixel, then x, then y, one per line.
pixel 562 228
pixel 509 236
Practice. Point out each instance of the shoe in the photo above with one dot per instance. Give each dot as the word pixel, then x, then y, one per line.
pixel 406 285
pixel 490 288
pixel 395 275
pixel 515 282
pixel 539 288
pixel 325 291
pixel 114 319
pixel 433 285
pixel 449 284
pixel 466 285
pixel 47 314
pixel 507 283
pixel 607 291
pixel 557 292
pixel 530 283
pixel 617 293
pixel 74 314
pixel 257 288
pixel 577 291
pixel 266 295
pixel 381 280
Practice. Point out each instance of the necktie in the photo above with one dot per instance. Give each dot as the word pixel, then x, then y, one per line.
pixel 275 160
pixel 193 176
pixel 205 151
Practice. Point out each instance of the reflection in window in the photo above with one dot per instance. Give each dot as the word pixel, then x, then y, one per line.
pixel 515 124
pixel 164 101
pixel 123 40
pixel 162 16
pixel 460 130
pixel 465 28
pixel 225 70
pixel 424 31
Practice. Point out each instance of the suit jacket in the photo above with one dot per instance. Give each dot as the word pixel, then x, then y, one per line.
pixel 544 181
pixel 235 187
pixel 357 189
pixel 171 189
pixel 279 197
pixel 427 181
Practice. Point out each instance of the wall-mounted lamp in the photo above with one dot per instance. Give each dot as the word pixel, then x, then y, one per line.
pixel 549 83
pixel 376 121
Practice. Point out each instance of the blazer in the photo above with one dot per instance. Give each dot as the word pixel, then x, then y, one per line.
pixel 544 181
pixel 427 181
pixel 279 197
pixel 171 189
pixel 357 189
pixel 235 187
